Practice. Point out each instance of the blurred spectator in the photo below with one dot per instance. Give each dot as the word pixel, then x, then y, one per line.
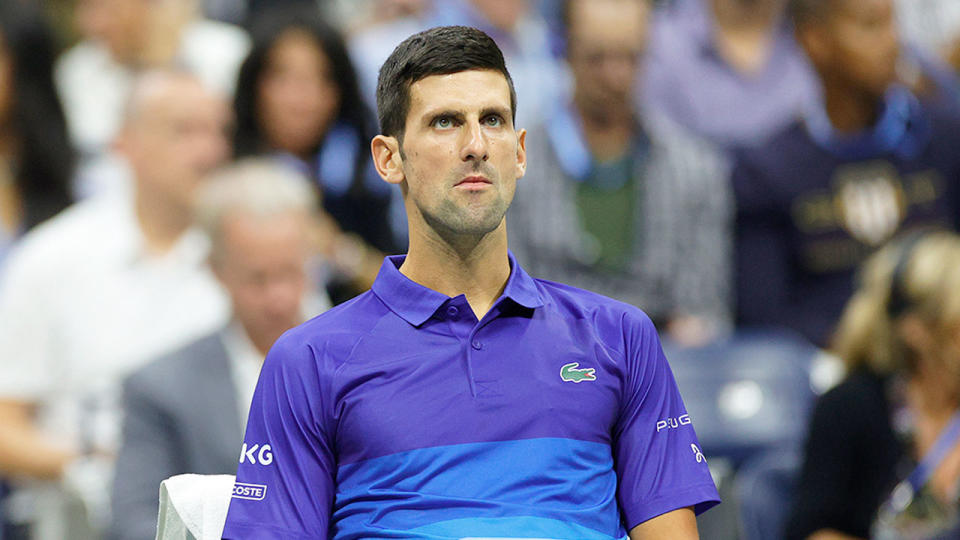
pixel 122 38
pixel 185 412
pixel 105 286
pixel 824 193
pixel 730 70
pixel 374 35
pixel 523 35
pixel 622 204
pixel 520 31
pixel 36 160
pixel 900 339
pixel 297 98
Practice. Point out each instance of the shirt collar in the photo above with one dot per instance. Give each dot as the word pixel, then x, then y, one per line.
pixel 416 304
pixel 240 349
pixel 902 128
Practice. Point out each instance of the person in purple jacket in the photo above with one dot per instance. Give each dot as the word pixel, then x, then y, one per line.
pixel 460 397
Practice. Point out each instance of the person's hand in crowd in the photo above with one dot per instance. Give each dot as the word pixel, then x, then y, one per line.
pixel 24 451
pixel 692 330
pixel 349 255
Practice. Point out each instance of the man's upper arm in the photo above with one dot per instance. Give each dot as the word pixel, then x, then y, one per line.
pixel 660 466
pixel 285 478
pixel 677 525
pixel 29 294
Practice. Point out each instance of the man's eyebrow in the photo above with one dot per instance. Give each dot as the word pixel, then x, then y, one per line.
pixel 502 111
pixel 440 113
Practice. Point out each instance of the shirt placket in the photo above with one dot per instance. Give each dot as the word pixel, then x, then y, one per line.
pixel 464 325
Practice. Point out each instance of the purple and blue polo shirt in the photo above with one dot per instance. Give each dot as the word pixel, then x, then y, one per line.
pixel 400 415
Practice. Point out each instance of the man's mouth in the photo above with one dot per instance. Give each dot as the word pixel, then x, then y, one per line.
pixel 474 182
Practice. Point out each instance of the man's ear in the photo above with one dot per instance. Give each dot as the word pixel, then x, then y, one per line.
pixel 387 158
pixel 521 153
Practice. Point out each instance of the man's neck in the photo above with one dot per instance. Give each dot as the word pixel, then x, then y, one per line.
pixel 161 221
pixel 743 34
pixel 607 132
pixel 477 268
pixel 850 111
pixel 261 342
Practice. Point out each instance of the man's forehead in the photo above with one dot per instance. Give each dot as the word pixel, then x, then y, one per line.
pixel 609 22
pixel 471 89
pixel 165 93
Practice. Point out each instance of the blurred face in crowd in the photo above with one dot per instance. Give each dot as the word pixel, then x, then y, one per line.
pixel 298 98
pixel 605 49
pixel 503 14
pixel 856 45
pixel 174 136
pixel 121 25
pixel 461 155
pixel 261 263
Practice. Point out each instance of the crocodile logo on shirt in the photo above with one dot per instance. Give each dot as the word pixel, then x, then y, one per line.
pixel 570 373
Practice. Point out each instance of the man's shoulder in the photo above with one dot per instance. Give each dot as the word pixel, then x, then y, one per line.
pixel 335 331
pixel 70 236
pixel 170 370
pixel 773 170
pixel 581 304
pixel 790 142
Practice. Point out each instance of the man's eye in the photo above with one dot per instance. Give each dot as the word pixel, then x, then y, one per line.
pixel 493 120
pixel 443 122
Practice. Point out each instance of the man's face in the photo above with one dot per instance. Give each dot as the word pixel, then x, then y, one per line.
pixel 298 96
pixel 606 43
pixel 860 45
pixel 121 25
pixel 261 263
pixel 176 139
pixel 461 155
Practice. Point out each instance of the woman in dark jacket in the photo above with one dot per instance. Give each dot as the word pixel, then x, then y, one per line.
pixel 297 98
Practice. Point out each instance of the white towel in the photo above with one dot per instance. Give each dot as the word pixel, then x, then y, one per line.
pixel 194 506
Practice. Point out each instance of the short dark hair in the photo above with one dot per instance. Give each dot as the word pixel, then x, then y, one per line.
pixel 437 51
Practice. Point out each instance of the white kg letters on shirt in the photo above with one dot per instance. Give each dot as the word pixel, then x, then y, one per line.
pixel 263 457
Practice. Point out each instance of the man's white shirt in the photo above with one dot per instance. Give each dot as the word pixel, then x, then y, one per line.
pixel 83 303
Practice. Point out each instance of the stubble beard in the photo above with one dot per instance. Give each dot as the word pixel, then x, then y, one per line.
pixel 462 215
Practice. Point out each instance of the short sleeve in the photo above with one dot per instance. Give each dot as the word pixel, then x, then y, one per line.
pixel 284 487
pixel 28 328
pixel 658 459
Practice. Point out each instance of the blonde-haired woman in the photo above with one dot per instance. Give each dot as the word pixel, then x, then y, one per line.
pixel 894 417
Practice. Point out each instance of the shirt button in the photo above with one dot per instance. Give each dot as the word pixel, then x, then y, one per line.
pixel 477 345
pixel 453 311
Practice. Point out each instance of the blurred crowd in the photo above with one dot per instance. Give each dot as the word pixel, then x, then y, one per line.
pixel 181 181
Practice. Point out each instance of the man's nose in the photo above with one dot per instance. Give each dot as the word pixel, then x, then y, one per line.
pixel 474 146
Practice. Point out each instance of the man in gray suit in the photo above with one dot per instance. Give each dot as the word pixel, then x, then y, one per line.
pixel 184 412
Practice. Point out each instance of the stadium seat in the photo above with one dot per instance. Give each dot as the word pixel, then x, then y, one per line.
pixel 746 394
pixel 764 490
